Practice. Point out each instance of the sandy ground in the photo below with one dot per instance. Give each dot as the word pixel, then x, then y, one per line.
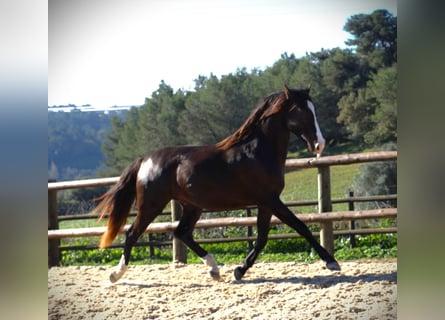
pixel 362 290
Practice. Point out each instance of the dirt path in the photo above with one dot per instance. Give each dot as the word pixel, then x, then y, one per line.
pixel 362 290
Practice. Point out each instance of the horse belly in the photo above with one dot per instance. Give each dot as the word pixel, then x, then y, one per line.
pixel 218 190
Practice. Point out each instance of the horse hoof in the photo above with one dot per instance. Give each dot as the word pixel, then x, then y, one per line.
pixel 238 273
pixel 215 275
pixel 333 265
pixel 113 277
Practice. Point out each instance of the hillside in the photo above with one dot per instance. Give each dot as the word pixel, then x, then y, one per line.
pixel 75 143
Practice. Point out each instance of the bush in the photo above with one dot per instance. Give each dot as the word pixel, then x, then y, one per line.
pixel 377 178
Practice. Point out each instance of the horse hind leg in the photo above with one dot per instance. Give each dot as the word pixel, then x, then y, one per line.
pixel 145 216
pixel 184 231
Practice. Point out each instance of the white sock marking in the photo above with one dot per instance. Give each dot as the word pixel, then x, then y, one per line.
pixel 120 270
pixel 211 263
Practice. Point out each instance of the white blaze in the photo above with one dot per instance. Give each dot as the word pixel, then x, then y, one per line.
pixel 320 138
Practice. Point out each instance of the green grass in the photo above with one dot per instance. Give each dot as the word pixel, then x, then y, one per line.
pixel 297 250
pixel 301 185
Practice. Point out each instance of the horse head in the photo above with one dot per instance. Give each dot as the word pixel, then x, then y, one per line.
pixel 302 119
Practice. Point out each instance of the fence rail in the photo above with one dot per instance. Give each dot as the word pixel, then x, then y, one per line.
pixel 164 227
pixel 325 216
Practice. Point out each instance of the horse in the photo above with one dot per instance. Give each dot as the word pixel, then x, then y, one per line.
pixel 246 168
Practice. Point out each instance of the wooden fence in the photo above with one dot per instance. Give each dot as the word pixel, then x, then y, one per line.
pixel 325 216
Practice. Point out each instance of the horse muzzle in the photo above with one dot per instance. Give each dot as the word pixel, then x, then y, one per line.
pixel 318 148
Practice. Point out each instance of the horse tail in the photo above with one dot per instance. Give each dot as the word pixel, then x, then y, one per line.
pixel 118 202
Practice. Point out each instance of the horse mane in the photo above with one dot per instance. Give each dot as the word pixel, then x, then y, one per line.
pixel 266 108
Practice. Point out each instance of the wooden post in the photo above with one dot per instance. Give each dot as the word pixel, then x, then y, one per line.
pixel 325 205
pixel 179 248
pixel 53 224
pixel 351 222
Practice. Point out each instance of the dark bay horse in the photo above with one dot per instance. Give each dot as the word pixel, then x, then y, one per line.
pixel 246 168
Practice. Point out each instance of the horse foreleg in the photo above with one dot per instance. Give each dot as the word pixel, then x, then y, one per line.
pixel 263 225
pixel 286 216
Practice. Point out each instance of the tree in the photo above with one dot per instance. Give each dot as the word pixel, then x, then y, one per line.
pixel 159 119
pixel 375 37
pixel 218 107
pixel 121 144
pixel 370 114
pixel 109 145
pixel 145 129
pixel 74 143
pixel 356 110
pixel 383 89
pixel 368 108
pixel 310 71
pixel 343 71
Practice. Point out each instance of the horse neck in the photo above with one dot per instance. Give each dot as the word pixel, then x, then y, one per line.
pixel 276 137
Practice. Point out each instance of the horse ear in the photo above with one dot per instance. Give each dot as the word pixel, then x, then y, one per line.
pixel 309 87
pixel 286 91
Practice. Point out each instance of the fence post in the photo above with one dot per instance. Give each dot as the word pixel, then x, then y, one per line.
pixel 351 222
pixel 325 205
pixel 179 248
pixel 53 224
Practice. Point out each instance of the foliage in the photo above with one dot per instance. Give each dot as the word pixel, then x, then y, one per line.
pixel 376 246
pixel 370 113
pixel 218 107
pixel 369 110
pixel 354 91
pixel 377 178
pixel 74 143
pixel 375 37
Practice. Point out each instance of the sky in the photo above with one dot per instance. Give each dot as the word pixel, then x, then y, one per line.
pixel 116 53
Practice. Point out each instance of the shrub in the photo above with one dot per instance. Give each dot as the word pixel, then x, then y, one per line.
pixel 377 178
